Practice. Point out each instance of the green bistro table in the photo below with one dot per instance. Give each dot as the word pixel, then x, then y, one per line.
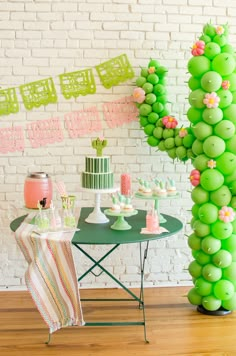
pixel 102 234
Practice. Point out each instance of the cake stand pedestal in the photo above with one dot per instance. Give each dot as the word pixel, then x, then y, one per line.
pixel 97 216
pixel 120 223
pixel 156 202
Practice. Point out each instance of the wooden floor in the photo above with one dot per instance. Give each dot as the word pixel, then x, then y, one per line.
pixel 174 327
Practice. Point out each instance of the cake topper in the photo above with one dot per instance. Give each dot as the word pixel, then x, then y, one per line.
pixel 99 144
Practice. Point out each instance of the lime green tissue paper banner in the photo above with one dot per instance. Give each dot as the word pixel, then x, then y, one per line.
pixel 115 71
pixel 77 83
pixel 38 93
pixel 8 101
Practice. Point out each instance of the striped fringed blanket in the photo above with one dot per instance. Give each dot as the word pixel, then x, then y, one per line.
pixel 51 277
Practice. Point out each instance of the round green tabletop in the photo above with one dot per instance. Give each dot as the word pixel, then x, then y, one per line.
pixel 102 234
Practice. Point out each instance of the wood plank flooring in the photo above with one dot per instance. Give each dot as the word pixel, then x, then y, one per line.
pixel 174 327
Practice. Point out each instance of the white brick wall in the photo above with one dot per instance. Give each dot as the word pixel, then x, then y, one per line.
pixel 46 38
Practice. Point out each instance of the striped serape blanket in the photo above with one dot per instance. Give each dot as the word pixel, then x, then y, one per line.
pixel 50 276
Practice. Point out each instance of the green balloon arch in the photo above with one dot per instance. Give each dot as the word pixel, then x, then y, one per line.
pixel 210 143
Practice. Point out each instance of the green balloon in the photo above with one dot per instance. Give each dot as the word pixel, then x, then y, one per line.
pixel 152 141
pixel 197 147
pixel 223 289
pixel 148 129
pixel 196 98
pixel 230 272
pixel 162 99
pixel 201 229
pixel 161 71
pixel 226 163
pixel 222 259
pixel 199 195
pixel 147 87
pixel 172 152
pixel 203 287
pixel 226 98
pixel 202 130
pixel 210 245
pixel 194 83
pixel 153 117
pixel 168 133
pixel 233 202
pixel 211 81
pixel 188 140
pixel 195 209
pixel 211 179
pixel 158 132
pixel 178 141
pixel 161 145
pixel 181 152
pixel 200 162
pixel 153 78
pixel 209 30
pixel 193 297
pixel 211 273
pixel 221 40
pixel 194 242
pixel 224 64
pixel 145 109
pixel 159 89
pixel 202 257
pixel 194 115
pixel 214 146
pixel 205 38
pixel 199 65
pixel 208 213
pixel 157 107
pixel 144 72
pixel 153 63
pixel 169 143
pixel 221 230
pixel 221 196
pixel 143 121
pixel 195 269
pixel 211 50
pixel 212 116
pixel 150 98
pixel 211 303
pixel 230 113
pixel 230 304
pixel 228 49
pixel 140 81
pixel 231 145
pixel 232 187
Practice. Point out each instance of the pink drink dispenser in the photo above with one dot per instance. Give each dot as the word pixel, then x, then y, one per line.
pixel 38 185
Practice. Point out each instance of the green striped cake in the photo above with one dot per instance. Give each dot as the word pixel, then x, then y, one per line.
pixel 97 173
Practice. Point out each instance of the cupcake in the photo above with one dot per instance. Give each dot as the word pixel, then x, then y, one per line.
pixel 147 189
pixel 162 191
pixel 128 205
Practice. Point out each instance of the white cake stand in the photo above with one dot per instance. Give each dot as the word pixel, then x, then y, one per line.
pixel 97 216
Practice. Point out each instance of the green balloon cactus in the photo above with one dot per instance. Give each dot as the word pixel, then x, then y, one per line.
pixel 210 143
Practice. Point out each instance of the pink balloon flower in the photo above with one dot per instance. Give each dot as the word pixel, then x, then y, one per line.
pixel 151 70
pixel 225 84
pixel 226 214
pixel 170 122
pixel 220 30
pixel 195 177
pixel 198 48
pixel 183 132
pixel 139 95
pixel 211 100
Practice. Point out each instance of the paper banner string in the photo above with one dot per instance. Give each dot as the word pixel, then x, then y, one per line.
pixel 81 123
pixel 38 93
pixel 115 71
pixel 11 139
pixel 120 111
pixel 8 101
pixel 43 132
pixel 77 83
